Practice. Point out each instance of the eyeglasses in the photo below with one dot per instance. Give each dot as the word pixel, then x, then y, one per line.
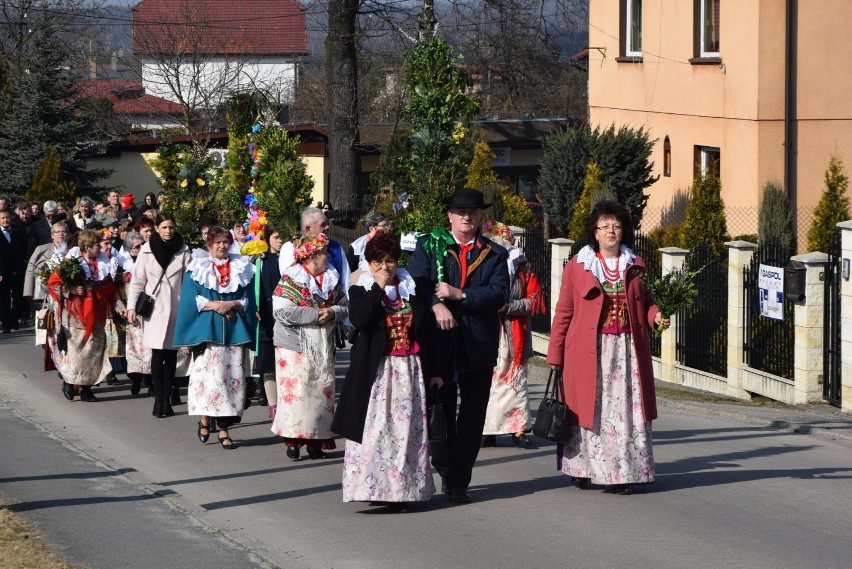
pixel 607 228
pixel 386 263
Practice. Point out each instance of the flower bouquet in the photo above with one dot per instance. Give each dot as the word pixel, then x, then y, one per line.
pixel 673 292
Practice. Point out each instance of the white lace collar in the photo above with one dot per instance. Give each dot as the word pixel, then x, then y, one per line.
pixel 589 259
pixel 106 266
pixel 406 284
pixel 201 270
pixel 298 273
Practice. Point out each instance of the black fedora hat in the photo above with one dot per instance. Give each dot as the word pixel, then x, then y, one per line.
pixel 467 198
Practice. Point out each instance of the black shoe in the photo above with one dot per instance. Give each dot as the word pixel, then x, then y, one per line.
pixel 489 441
pixel 521 441
pixel 167 409
pixel 316 453
pixel 231 445
pixel 135 386
pixel 293 452
pixel 458 497
pixel 201 437
pixel 623 489
pixel 175 397
pixel 68 391
pixel 261 399
pixel 87 395
pixel 111 379
pixel 158 408
pixel 580 483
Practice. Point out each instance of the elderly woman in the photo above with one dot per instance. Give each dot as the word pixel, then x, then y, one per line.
pixel 307 303
pixel 159 272
pixel 382 408
pixel 373 221
pixel 599 338
pixel 83 311
pixel 137 355
pixel 217 319
pixel 55 249
pixel 508 404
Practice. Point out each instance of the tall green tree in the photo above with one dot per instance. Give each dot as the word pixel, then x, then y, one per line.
pixel 775 218
pixel 833 207
pixel 705 216
pixel 40 111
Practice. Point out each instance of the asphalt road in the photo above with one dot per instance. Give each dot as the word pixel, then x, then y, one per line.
pixel 110 486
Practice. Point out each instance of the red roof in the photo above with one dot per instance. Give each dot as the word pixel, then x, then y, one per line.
pixel 128 97
pixel 220 27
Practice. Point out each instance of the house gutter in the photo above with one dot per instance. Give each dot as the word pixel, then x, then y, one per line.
pixel 790 122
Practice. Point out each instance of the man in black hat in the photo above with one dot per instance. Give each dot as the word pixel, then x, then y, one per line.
pixel 465 306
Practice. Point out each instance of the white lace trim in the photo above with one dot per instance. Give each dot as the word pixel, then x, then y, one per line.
pixel 406 284
pixel 201 270
pixel 298 273
pixel 589 259
pixel 106 265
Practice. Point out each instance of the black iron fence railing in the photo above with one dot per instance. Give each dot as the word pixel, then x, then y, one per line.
pixel 537 252
pixel 646 249
pixel 768 343
pixel 831 326
pixel 702 329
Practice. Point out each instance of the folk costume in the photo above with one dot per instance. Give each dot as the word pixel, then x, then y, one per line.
pixel 137 355
pixel 508 403
pixel 83 360
pixel 304 355
pixel 608 375
pixel 382 407
pixel 222 362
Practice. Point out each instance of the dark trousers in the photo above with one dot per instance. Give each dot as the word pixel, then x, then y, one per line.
pixel 163 365
pixel 454 459
pixel 11 301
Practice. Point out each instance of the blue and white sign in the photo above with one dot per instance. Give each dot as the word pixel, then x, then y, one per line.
pixel 770 290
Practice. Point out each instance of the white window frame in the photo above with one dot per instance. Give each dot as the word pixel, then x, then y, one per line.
pixel 628 31
pixel 706 153
pixel 703 28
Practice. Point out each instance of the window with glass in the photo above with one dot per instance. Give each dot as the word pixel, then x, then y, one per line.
pixel 708 161
pixel 709 26
pixel 667 157
pixel 633 28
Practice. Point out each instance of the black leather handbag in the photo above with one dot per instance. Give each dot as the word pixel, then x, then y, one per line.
pixel 435 416
pixel 551 421
pixel 145 302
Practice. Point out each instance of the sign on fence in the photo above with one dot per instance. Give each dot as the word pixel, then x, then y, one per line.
pixel 770 290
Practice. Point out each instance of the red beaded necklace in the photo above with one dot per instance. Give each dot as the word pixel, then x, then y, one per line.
pixel 394 305
pixel 93 268
pixel 611 275
pixel 318 279
pixel 223 273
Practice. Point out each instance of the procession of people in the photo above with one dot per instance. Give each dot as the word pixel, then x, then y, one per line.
pixel 115 289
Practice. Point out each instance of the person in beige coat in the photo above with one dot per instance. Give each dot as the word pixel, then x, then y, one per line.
pixel 166 256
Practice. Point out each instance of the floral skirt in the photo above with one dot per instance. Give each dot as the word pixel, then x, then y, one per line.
pixel 137 355
pixel 392 462
pixel 305 398
pixel 618 450
pixel 85 362
pixel 508 405
pixel 217 382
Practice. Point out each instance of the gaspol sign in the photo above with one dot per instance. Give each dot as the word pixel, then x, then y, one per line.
pixel 770 290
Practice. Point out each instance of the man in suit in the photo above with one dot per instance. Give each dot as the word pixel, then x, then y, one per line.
pixel 465 306
pixel 13 264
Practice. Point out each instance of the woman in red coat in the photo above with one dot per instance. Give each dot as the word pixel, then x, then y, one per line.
pixel 600 338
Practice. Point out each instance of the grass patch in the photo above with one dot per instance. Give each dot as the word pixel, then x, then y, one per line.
pixel 21 547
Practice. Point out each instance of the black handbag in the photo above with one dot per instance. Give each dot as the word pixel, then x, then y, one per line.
pixel 435 424
pixel 145 302
pixel 551 421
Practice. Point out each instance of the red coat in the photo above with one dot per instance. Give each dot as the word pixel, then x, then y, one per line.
pixel 574 338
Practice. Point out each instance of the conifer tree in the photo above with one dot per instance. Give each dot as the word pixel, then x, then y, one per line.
pixel 705 216
pixel 47 184
pixel 833 207
pixel 775 219
pixel 591 185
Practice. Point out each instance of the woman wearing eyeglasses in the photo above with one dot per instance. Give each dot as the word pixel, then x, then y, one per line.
pixel 599 338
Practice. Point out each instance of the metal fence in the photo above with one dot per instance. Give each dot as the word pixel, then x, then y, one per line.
pixel 646 249
pixel 831 326
pixel 769 343
pixel 702 333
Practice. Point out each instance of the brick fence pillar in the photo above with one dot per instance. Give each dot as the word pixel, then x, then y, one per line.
pixel 673 260
pixel 808 319
pixel 846 321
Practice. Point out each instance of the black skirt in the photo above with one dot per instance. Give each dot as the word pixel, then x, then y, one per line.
pixel 265 360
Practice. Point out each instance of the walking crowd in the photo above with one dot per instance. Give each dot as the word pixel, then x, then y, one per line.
pixel 113 288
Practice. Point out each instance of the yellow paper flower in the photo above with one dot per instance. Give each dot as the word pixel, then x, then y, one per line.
pixel 298 200
pixel 184 183
pixel 254 247
pixel 200 182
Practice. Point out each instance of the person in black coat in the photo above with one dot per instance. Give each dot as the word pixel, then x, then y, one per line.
pixel 382 406
pixel 266 270
pixel 13 266
pixel 466 304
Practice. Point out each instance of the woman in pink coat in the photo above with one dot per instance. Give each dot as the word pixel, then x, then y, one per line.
pixel 600 338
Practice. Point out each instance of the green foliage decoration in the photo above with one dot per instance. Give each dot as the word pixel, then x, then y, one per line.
pixel 705 216
pixel 833 207
pixel 508 206
pixel 189 191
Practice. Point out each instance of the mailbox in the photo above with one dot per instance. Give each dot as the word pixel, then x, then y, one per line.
pixel 794 281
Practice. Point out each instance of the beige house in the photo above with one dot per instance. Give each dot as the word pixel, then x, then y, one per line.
pixel 755 87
